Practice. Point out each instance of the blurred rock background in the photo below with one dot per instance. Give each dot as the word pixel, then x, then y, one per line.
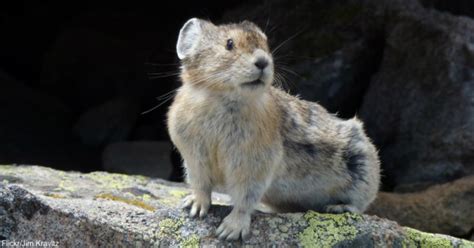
pixel 76 76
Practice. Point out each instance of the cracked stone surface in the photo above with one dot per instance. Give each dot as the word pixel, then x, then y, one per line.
pixel 114 210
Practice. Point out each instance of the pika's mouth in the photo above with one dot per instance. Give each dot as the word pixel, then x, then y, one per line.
pixel 254 83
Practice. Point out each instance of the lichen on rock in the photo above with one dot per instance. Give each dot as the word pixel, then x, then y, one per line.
pixel 114 180
pixel 134 202
pixel 420 239
pixel 131 212
pixel 191 242
pixel 326 230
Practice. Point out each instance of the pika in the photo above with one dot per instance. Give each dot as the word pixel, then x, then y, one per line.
pixel 238 132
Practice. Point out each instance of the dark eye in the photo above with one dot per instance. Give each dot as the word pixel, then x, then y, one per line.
pixel 230 44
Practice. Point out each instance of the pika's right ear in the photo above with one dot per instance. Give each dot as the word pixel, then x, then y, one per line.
pixel 189 37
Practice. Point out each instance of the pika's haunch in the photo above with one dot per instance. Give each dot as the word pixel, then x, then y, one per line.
pixel 237 132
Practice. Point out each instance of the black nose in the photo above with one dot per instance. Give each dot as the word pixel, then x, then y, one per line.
pixel 261 63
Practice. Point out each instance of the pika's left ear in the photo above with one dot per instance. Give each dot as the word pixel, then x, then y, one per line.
pixel 189 37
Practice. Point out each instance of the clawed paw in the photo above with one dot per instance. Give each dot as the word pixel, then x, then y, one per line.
pixel 233 227
pixel 199 203
pixel 338 209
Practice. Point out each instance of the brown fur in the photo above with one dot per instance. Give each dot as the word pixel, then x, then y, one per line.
pixel 237 132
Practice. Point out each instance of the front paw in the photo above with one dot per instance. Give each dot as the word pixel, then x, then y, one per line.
pixel 234 226
pixel 199 203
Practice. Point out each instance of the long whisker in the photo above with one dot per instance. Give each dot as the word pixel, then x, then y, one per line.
pixel 170 95
pixel 163 75
pixel 272 29
pixel 163 99
pixel 163 72
pixel 284 68
pixel 275 51
pixel 157 106
pixel 285 75
pixel 158 64
pixel 210 78
pixel 266 24
pixel 278 80
pixel 164 96
pixel 268 19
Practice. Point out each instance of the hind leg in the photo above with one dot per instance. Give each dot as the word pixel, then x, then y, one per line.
pixel 355 200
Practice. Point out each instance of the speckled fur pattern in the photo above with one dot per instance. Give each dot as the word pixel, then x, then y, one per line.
pixel 257 142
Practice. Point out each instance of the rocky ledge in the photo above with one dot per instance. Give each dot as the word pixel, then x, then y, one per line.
pixel 72 209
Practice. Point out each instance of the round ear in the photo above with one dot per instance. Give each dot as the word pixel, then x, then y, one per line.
pixel 189 37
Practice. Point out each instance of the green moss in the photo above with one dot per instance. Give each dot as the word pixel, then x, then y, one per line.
pixel 191 242
pixel 129 201
pixel 420 239
pixel 327 230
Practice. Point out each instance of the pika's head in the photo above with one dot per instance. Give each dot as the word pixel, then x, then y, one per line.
pixel 232 57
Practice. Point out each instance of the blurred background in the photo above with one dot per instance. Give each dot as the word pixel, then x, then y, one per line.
pixel 76 77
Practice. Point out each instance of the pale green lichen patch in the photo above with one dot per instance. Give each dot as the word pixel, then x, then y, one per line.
pixel 191 242
pixel 146 197
pixel 327 230
pixel 115 181
pixel 24 170
pixel 6 169
pixel 170 228
pixel 420 239
pixel 178 193
pixel 466 244
pixel 65 186
pixel 169 202
pixel 174 198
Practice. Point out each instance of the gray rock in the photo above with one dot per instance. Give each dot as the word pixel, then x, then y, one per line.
pixel 459 7
pixel 149 158
pixel 419 108
pixel 446 208
pixel 113 210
